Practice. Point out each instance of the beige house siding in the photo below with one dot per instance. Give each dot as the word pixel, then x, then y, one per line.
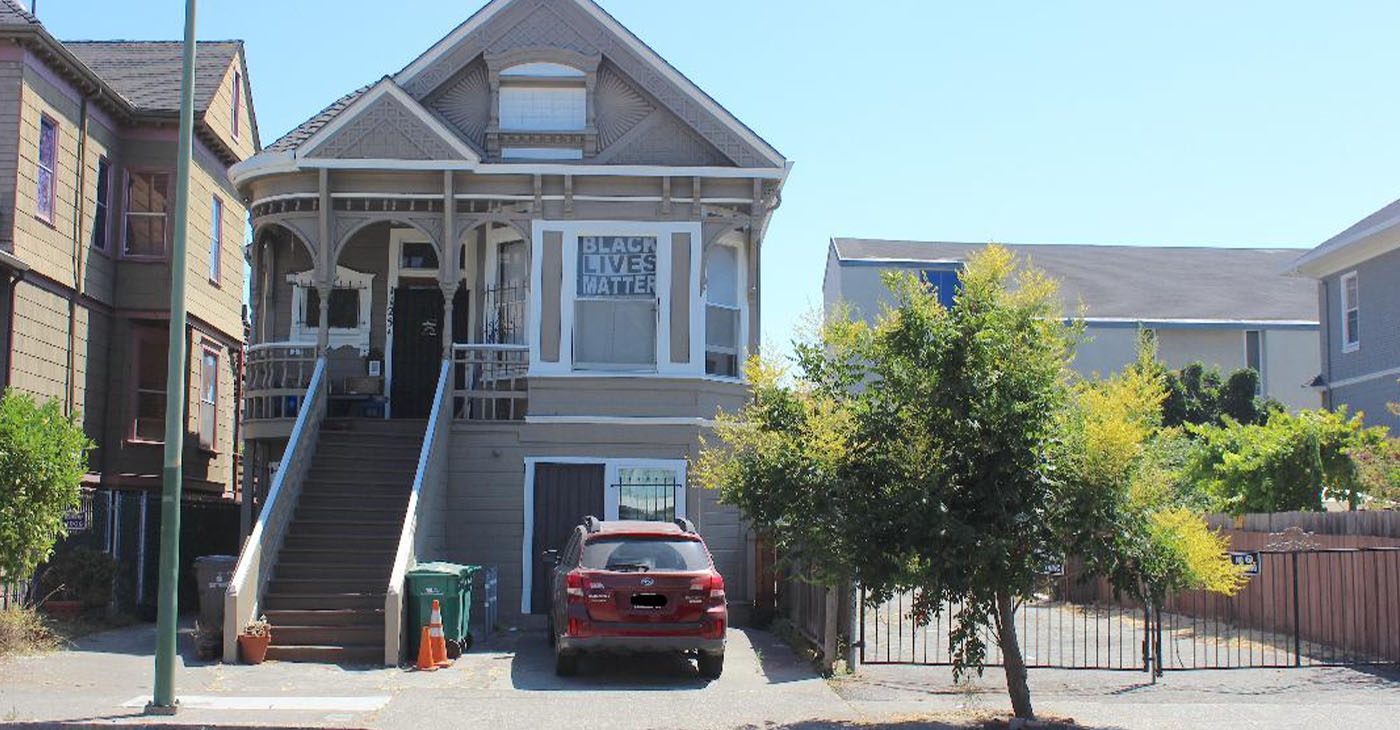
pixel 219 115
pixel 11 81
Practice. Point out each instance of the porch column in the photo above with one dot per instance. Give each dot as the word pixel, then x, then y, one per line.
pixel 449 293
pixel 323 327
pixel 448 274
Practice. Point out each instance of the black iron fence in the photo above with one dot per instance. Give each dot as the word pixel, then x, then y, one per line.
pixel 1301 608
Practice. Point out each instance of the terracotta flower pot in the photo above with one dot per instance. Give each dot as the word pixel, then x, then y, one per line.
pixel 63 610
pixel 253 649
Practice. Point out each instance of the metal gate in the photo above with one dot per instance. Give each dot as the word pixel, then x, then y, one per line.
pixel 1298 609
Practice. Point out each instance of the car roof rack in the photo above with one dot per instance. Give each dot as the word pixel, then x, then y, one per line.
pixel 591 524
pixel 685 525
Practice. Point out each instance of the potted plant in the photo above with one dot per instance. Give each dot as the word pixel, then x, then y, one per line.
pixel 252 643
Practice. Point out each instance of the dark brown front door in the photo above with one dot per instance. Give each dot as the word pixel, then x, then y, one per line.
pixel 564 495
pixel 417 350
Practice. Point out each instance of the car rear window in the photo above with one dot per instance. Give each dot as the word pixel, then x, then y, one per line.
pixel 644 554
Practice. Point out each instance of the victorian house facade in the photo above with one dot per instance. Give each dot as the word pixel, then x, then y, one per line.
pixel 504 288
pixel 87 180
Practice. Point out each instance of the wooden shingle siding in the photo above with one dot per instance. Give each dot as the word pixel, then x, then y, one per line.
pixel 39 343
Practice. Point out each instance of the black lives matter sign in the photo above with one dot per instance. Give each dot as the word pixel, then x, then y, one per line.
pixel 617 266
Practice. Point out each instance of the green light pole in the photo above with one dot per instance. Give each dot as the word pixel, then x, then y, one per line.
pixel 163 699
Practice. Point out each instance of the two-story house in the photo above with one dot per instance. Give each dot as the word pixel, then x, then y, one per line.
pixel 1228 308
pixel 502 289
pixel 1358 301
pixel 88 135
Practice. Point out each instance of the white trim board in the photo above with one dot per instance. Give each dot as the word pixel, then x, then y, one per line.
pixel 1346 382
pixel 611 465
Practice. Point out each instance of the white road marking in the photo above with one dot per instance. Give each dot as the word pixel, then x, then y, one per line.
pixel 310 704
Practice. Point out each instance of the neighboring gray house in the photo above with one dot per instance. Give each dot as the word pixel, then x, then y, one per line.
pixel 1226 307
pixel 1358 298
pixel 501 289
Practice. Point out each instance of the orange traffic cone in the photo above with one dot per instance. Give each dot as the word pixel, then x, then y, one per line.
pixel 437 638
pixel 425 652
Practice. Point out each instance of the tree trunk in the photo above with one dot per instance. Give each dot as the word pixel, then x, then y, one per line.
pixel 1017 685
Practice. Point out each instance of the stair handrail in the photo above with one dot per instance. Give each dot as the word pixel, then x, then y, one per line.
pixel 246 588
pixel 429 492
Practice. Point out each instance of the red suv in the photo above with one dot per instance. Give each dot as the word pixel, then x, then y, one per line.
pixel 636 587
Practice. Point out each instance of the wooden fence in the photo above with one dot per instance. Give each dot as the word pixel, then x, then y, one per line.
pixel 1368 524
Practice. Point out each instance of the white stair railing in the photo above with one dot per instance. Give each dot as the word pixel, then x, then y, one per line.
pixel 245 591
pixel 422 533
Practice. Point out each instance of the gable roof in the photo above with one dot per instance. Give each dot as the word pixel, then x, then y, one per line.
pixel 418 67
pixel 147 73
pixel 12 13
pixel 386 108
pixel 1331 254
pixel 1134 282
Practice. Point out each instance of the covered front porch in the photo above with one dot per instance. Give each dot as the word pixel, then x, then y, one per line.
pixel 386 305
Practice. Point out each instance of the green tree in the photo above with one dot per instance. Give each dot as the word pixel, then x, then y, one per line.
pixel 43 456
pixel 1290 462
pixel 915 454
pixel 1197 395
pixel 1117 507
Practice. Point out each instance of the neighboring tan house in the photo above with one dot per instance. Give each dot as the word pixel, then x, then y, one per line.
pixel 1358 300
pixel 87 165
pixel 1226 307
pixel 535 248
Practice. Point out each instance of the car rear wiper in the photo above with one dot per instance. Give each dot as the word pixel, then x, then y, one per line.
pixel 624 567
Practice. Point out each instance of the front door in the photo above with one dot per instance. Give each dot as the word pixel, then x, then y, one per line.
pixel 417 350
pixel 564 495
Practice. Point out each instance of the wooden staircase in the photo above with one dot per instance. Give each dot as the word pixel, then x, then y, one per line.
pixel 326 597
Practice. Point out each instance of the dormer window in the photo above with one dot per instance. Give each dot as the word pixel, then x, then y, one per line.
pixel 543 108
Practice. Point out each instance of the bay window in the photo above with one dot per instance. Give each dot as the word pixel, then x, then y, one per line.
pixel 147 210
pixel 208 397
pixel 616 306
pixel 150 364
pixel 722 312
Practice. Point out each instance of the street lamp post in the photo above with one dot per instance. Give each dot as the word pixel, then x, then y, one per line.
pixel 163 697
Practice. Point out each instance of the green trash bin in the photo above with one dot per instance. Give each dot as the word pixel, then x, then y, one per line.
pixel 451 585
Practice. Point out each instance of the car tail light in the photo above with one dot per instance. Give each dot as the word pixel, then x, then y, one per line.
pixel 716 596
pixel 573 587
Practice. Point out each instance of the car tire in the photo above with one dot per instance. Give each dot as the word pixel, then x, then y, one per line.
pixel 710 665
pixel 565 663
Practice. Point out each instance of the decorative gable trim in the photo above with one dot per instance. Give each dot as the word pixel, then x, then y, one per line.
pixel 497 30
pixel 387 98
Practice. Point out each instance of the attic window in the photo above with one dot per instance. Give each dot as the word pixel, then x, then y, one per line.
pixel 542 112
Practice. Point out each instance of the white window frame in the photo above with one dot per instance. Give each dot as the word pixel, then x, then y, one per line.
pixel 530 94
pixel 216 240
pixel 736 242
pixel 1347 344
pixel 571 231
pixel 611 466
pixel 206 350
pixel 357 337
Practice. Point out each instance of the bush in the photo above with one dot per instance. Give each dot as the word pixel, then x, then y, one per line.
pixel 1291 462
pixel 43 456
pixel 79 575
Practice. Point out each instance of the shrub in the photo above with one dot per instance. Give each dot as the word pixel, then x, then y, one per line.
pixel 43 456
pixel 79 575
pixel 23 631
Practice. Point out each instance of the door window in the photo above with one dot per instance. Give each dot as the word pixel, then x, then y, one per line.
pixel 647 493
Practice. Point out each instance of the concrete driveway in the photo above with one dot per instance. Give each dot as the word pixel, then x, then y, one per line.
pixel 508 683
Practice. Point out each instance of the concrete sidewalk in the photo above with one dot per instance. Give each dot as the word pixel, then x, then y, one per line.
pixel 106 679
pixel 1244 699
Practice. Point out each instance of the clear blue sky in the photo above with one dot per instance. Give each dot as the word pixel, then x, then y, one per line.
pixel 1244 123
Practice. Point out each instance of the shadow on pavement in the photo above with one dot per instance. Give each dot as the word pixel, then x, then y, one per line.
pixel 913 723
pixel 532 670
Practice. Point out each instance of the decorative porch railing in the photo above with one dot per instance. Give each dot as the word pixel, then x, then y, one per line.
pixel 245 590
pixel 421 539
pixel 489 382
pixel 278 374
